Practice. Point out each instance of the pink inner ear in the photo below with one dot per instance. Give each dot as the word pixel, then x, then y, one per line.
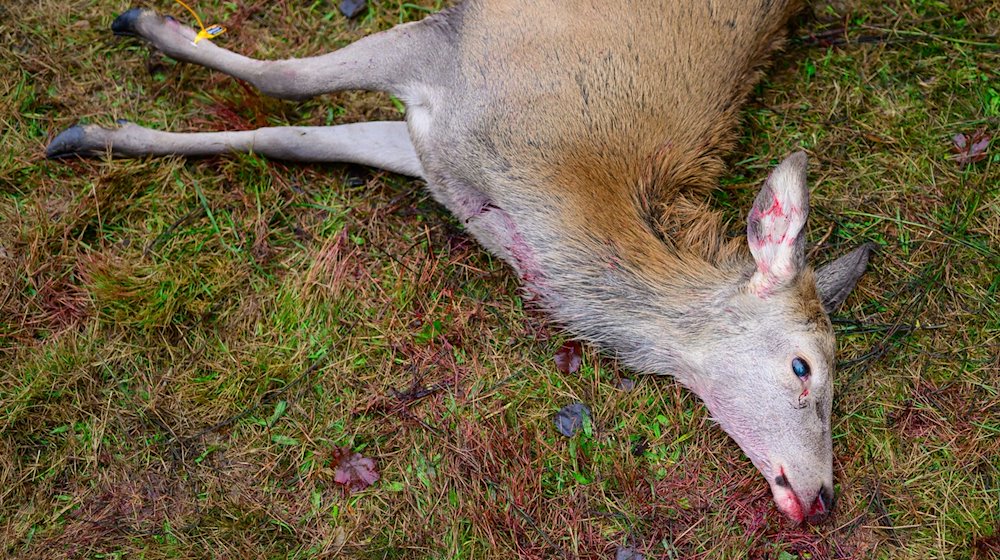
pixel 774 247
pixel 775 224
pixel 775 207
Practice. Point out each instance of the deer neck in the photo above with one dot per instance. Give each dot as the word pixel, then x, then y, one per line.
pixel 657 306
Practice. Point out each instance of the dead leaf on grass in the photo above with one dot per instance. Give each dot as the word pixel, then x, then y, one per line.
pixel 628 553
pixel 354 470
pixel 970 148
pixel 571 418
pixel 569 357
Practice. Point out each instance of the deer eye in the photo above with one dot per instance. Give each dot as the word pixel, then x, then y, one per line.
pixel 800 368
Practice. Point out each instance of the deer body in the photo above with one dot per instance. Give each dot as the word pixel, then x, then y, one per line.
pixel 576 139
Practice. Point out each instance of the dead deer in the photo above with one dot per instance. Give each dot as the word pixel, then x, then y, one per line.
pixel 577 140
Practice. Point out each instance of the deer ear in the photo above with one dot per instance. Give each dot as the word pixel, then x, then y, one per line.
pixel 776 226
pixel 835 280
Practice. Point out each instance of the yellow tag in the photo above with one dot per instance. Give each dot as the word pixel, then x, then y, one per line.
pixel 211 33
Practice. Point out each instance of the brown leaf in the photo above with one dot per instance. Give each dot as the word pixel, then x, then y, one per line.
pixel 569 357
pixel 970 148
pixel 355 471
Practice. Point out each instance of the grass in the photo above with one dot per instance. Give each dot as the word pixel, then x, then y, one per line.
pixel 186 345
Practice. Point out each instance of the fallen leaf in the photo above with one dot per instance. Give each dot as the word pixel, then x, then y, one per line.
pixel 628 553
pixel 571 418
pixel 972 148
pixel 640 447
pixel 351 8
pixel 354 470
pixel 569 357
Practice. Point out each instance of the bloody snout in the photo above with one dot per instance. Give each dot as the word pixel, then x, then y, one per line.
pixel 797 507
pixel 821 508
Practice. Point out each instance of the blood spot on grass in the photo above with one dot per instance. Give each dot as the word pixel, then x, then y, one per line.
pixel 940 411
pixel 64 304
pixel 114 506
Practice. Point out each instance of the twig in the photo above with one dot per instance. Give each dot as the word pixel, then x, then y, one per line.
pixel 844 36
pixel 883 514
pixel 994 44
pixel 404 399
pixel 883 347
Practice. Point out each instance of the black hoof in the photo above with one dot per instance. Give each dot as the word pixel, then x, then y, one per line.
pixel 69 142
pixel 125 24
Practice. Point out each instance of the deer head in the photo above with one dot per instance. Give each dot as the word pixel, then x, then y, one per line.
pixel 768 379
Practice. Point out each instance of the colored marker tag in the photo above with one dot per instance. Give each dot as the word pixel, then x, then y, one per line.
pixel 210 33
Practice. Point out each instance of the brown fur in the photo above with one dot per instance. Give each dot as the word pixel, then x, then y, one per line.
pixel 620 157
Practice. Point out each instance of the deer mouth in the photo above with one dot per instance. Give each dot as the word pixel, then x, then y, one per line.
pixel 789 503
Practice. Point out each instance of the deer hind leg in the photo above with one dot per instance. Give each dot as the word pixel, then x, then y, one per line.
pixel 389 61
pixel 382 144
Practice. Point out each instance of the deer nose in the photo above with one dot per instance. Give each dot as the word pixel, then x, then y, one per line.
pixel 822 507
